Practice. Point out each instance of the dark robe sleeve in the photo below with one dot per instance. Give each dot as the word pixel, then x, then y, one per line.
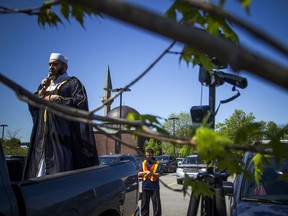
pixel 78 99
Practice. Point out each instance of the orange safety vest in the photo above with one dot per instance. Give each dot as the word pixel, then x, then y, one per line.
pixel 153 169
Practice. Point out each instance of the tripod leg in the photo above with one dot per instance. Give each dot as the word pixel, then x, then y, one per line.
pixel 207 206
pixel 193 205
pixel 220 207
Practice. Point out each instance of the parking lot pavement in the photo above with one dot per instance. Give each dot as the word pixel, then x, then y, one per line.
pixel 175 203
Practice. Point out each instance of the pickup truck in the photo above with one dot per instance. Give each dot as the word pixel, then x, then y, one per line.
pixel 101 190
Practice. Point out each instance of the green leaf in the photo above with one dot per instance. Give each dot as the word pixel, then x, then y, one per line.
pixel 246 5
pixel 246 131
pixel 171 12
pixel 258 166
pixel 198 187
pixel 65 10
pixel 77 12
pixel 210 144
pixel 205 61
pixel 47 16
pixel 151 120
pixel 213 147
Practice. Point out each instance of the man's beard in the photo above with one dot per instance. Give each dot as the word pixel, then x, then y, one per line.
pixel 59 72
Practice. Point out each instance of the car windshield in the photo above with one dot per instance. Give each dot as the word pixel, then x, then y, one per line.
pixel 108 160
pixel 133 159
pixel 139 159
pixel 272 186
pixel 163 158
pixel 192 160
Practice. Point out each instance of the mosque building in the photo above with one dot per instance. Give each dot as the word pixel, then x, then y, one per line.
pixel 104 142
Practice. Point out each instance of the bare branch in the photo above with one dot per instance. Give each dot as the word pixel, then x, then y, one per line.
pixel 137 78
pixel 67 112
pixel 238 57
pixel 28 11
pixel 142 129
pixel 117 139
pixel 209 7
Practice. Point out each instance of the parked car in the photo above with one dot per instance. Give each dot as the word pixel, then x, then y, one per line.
pixel 140 159
pixel 191 165
pixel 112 159
pixel 269 197
pixel 168 163
pixel 179 161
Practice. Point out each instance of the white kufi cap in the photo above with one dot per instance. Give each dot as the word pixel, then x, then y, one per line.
pixel 59 56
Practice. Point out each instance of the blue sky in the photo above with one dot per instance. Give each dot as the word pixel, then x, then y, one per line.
pixel 170 87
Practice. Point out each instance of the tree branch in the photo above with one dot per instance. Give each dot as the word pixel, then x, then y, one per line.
pixel 137 78
pixel 142 129
pixel 209 7
pixel 238 57
pixel 28 11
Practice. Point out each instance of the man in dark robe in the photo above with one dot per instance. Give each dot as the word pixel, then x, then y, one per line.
pixel 58 144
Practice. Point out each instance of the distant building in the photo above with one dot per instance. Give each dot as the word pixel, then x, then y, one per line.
pixel 106 144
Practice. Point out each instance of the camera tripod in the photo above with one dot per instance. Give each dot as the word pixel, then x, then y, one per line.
pixel 214 206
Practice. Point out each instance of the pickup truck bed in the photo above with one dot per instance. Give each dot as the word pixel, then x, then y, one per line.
pixel 102 190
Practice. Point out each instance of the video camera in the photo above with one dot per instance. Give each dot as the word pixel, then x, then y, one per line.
pixel 221 77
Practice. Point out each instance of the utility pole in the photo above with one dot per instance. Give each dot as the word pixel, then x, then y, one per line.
pixel 118 144
pixel 212 98
pixel 3 127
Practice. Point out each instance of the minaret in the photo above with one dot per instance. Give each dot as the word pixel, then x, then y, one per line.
pixel 107 92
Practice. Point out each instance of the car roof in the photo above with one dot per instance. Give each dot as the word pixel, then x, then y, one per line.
pixel 109 155
pixel 194 155
pixel 117 155
pixel 165 156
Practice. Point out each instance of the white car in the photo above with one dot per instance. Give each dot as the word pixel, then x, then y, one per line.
pixel 191 165
pixel 179 161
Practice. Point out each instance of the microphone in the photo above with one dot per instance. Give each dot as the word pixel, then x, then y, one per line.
pixel 51 76
pixel 47 82
pixel 44 84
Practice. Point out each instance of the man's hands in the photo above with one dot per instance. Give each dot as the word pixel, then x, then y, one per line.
pixel 42 92
pixel 54 98
pixel 146 173
pixel 45 83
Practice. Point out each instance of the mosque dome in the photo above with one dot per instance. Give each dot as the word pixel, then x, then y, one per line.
pixel 115 112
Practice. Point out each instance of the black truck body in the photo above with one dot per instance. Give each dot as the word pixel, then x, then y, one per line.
pixel 101 190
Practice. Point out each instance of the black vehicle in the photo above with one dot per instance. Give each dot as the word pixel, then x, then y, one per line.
pixel 269 197
pixel 168 163
pixel 112 159
pixel 139 159
pixel 96 190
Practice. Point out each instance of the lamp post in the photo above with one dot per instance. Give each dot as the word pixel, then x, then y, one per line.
pixel 118 144
pixel 3 127
pixel 173 119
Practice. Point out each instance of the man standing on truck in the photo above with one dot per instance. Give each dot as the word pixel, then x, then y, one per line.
pixel 58 144
pixel 150 172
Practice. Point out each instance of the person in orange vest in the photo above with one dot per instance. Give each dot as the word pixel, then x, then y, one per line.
pixel 150 171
